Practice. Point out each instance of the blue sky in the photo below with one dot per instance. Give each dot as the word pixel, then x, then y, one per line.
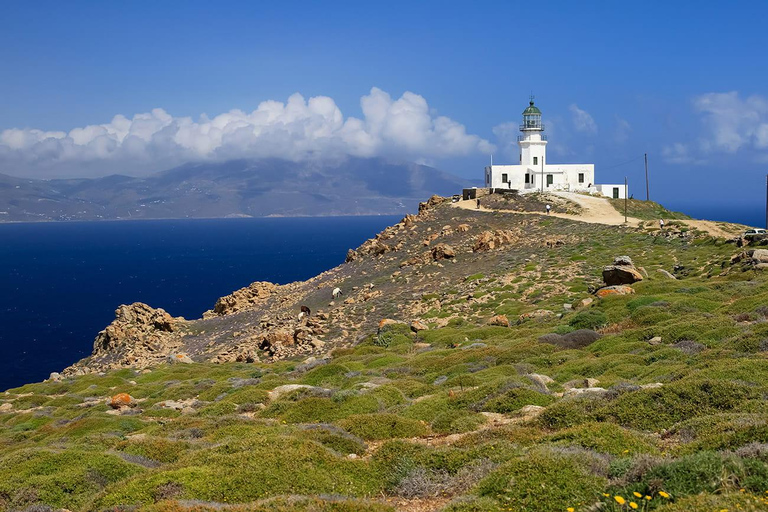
pixel 685 82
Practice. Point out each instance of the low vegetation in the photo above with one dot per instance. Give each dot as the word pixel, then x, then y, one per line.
pixel 654 400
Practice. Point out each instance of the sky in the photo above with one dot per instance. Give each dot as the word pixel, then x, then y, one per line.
pixel 96 88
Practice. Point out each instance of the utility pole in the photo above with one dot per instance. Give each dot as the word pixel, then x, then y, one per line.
pixel 647 190
pixel 625 199
pixel 766 201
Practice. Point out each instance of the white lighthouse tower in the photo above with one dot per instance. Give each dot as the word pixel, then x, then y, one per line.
pixel 532 142
pixel 533 173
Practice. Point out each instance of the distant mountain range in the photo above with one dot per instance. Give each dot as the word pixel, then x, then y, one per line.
pixel 253 188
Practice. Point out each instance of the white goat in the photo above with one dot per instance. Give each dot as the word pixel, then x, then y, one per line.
pixel 336 293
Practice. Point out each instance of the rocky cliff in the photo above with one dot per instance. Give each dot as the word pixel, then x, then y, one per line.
pixel 405 273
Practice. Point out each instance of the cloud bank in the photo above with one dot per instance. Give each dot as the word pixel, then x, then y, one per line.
pixel 730 124
pixel 297 130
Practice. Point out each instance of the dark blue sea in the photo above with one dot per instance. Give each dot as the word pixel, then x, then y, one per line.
pixel 60 283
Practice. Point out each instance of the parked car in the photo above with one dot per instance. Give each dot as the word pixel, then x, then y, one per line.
pixel 751 233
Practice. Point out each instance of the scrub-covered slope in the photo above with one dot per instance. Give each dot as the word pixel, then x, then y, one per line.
pixel 467 366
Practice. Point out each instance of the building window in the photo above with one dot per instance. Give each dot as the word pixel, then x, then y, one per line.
pixel 550 179
pixel 615 192
pixel 503 178
pixel 527 178
pixel 535 160
pixel 521 158
pixel 581 177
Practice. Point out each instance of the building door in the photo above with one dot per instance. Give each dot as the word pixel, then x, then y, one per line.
pixel 615 192
pixel 550 179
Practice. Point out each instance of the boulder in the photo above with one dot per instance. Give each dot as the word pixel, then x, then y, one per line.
pixel 530 411
pixel 386 323
pixel 351 256
pixel 462 228
pixel 760 256
pixel 55 377
pixel 277 338
pixel 289 388
pixel 500 320
pixel 418 325
pixel 614 290
pixel 442 251
pixel 121 400
pixel 539 313
pixel 179 358
pixel 540 380
pixel 621 272
pixel 665 273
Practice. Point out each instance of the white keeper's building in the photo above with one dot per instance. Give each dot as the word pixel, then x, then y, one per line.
pixel 534 173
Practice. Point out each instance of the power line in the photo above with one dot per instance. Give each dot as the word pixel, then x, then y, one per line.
pixel 623 163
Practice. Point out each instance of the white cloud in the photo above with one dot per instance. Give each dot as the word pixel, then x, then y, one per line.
pixel 582 121
pixel 621 132
pixel 678 153
pixel 733 123
pixel 730 124
pixel 298 129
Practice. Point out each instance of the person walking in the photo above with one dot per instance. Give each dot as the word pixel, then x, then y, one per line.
pixel 661 223
pixel 548 208
pixel 478 203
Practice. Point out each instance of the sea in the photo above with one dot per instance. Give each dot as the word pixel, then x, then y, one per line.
pixel 60 283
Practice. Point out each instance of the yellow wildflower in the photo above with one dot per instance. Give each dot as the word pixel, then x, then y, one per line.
pixel 637 494
pixel 648 498
pixel 663 494
pixel 570 509
pixel 608 495
pixel 620 500
pixel 633 504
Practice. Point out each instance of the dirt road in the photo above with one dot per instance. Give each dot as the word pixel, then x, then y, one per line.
pixel 599 210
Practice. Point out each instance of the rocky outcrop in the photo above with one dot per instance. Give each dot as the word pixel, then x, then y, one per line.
pixel 135 324
pixel 245 298
pixel 622 271
pixel 431 203
pixel 489 240
pixel 620 289
pixel 500 320
pixel 442 252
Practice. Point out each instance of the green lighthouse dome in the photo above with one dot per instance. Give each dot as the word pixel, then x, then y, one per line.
pixel 532 109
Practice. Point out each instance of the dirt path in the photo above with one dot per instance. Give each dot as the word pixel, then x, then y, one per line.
pixel 598 210
pixel 595 210
pixel 721 229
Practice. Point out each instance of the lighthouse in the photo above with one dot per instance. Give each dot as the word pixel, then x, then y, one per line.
pixel 532 142
pixel 533 173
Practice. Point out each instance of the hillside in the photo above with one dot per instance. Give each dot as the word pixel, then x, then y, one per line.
pixel 474 361
pixel 255 188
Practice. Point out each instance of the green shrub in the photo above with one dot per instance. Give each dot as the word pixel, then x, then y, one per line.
pixel 542 481
pixel 59 479
pixel 454 422
pixel 382 426
pixel 605 438
pixel 515 399
pixel 588 319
